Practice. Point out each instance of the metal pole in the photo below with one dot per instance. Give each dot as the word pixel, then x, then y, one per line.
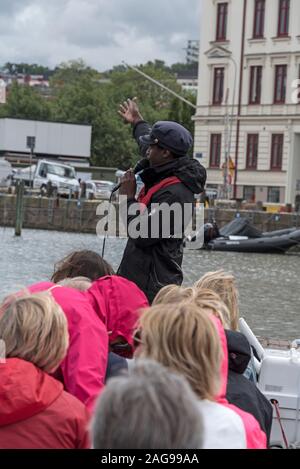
pixel 232 111
pixel 226 135
pixel 19 208
pixel 161 85
pixel 233 98
pixel 224 53
pixel 30 163
pixel 240 99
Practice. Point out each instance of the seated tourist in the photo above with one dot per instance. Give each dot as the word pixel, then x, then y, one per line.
pixel 81 264
pixel 184 338
pixel 151 408
pixel 35 411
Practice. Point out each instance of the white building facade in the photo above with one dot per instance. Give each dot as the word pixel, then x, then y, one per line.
pixel 248 111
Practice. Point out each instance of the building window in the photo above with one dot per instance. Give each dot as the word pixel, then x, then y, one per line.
pixel 283 18
pixel 280 84
pixel 218 90
pixel 222 13
pixel 274 195
pixel 215 150
pixel 277 151
pixel 252 151
pixel 255 85
pixel 259 19
pixel 249 193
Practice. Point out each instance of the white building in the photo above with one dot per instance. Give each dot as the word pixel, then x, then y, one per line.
pixel 192 51
pixel 249 59
pixel 188 80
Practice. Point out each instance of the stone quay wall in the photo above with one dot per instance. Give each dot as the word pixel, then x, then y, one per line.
pixel 73 216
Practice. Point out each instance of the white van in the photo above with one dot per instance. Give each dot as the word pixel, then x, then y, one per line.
pixel 61 176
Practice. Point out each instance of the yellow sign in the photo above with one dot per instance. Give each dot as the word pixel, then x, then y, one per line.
pixel 272 208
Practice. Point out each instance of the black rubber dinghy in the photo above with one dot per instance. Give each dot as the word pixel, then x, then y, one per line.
pixel 265 244
pixel 240 236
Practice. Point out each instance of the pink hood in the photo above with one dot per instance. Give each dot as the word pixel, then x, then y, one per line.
pixel 111 304
pixel 84 368
pixel 118 303
pixel 256 438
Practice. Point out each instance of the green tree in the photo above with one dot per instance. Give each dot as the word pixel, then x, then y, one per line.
pixel 192 68
pixel 27 69
pixel 72 71
pixel 155 103
pixel 81 96
pixel 182 112
pixel 25 103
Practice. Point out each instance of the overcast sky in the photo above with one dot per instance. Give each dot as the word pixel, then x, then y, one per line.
pixel 102 32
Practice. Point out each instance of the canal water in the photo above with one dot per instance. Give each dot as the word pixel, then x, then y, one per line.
pixel 268 284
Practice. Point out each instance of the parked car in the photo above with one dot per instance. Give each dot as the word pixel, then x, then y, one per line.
pixel 96 189
pixel 212 193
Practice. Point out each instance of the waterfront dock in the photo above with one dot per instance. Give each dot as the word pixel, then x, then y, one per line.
pixel 79 216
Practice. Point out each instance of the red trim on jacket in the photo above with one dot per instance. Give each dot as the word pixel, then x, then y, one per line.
pixel 146 198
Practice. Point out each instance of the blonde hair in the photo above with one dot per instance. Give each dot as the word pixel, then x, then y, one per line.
pixel 34 328
pixel 224 285
pixel 173 294
pixel 184 338
pixel 79 283
pixel 210 301
pixel 204 299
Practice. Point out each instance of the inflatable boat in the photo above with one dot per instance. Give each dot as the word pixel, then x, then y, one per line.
pixel 240 236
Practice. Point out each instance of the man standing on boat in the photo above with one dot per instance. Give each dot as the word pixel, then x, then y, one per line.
pixel 170 177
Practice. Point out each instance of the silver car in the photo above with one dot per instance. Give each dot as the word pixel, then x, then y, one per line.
pixel 99 189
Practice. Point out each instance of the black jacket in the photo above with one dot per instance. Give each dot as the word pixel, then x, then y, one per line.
pixel 240 391
pixel 154 262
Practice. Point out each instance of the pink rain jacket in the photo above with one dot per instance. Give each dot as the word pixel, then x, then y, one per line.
pixel 255 437
pixel 110 308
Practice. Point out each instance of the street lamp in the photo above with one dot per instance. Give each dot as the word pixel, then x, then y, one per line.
pixel 221 53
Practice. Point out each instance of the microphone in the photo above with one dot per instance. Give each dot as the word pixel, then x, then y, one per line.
pixel 140 166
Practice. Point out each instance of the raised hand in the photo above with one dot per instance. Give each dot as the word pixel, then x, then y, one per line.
pixel 130 112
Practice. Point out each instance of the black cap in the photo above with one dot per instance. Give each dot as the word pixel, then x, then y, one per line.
pixel 171 136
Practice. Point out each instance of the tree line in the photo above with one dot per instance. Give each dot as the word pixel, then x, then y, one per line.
pixel 81 95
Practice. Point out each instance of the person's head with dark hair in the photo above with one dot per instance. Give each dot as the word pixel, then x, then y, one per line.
pixel 151 408
pixel 81 264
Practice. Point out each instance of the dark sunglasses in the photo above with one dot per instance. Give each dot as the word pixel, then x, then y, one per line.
pixel 123 350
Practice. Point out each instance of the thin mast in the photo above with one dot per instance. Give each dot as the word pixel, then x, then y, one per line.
pixel 161 85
